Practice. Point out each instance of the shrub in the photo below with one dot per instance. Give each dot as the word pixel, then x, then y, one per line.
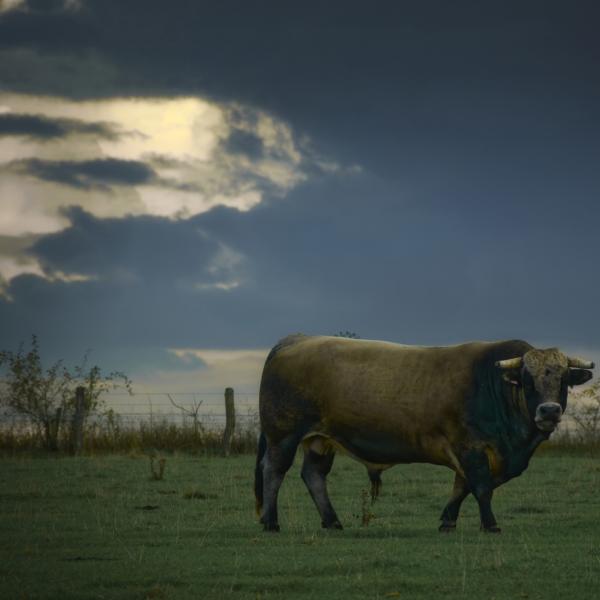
pixel 45 397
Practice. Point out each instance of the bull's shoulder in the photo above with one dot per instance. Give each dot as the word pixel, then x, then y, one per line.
pixel 286 342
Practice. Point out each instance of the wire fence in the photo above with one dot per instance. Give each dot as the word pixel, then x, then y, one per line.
pixel 160 407
pixel 184 408
pixel 205 411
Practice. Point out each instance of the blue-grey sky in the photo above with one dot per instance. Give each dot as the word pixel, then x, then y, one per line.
pixel 184 183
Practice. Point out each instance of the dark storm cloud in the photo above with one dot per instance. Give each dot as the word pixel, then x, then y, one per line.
pixel 250 145
pixel 50 29
pixel 132 250
pixel 314 262
pixel 244 142
pixel 148 360
pixel 87 174
pixel 105 173
pixel 50 6
pixel 475 216
pixel 44 128
pixel 400 88
pixel 417 272
pixel 145 274
pixel 284 54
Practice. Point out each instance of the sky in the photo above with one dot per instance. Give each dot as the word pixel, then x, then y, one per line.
pixel 184 183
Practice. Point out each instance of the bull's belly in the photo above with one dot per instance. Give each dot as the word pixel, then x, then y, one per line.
pixel 380 449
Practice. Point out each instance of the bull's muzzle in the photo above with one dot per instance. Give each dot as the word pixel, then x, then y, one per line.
pixel 548 416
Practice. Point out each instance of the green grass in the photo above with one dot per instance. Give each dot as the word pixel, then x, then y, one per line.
pixel 101 528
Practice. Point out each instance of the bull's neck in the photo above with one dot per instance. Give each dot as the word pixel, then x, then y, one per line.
pixel 499 415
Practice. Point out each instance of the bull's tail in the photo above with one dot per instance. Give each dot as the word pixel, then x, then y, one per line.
pixel 258 472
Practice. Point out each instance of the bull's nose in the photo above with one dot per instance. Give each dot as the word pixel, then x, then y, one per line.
pixel 550 410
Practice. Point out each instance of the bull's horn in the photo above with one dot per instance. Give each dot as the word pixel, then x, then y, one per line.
pixel 580 363
pixel 510 363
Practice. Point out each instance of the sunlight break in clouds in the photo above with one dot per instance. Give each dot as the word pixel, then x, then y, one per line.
pixel 181 140
pixel 172 158
pixel 212 357
pixel 237 368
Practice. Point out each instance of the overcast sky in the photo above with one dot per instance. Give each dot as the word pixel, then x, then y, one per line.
pixel 184 183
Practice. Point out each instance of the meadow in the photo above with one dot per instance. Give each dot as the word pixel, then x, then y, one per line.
pixel 103 527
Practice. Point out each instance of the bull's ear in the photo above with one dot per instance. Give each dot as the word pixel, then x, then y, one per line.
pixel 512 376
pixel 579 376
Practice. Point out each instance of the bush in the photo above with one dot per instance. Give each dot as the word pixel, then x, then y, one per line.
pixel 46 398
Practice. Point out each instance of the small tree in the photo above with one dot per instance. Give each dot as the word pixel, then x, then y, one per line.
pixel 45 397
pixel 192 412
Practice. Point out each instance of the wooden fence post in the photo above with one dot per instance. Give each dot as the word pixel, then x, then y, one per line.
pixel 54 430
pixel 229 421
pixel 78 419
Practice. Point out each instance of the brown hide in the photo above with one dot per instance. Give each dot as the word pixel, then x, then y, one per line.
pixel 383 403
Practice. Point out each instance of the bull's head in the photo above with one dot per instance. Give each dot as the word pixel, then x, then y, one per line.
pixel 545 376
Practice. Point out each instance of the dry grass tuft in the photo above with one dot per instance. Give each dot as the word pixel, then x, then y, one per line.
pixel 365 508
pixel 157 473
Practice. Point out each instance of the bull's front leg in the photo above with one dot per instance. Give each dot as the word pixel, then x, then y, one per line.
pixel 481 484
pixel 450 513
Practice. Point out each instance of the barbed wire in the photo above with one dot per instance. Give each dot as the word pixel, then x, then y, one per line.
pixel 153 405
pixel 134 393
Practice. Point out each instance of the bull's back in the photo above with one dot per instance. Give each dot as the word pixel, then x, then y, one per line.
pixel 392 401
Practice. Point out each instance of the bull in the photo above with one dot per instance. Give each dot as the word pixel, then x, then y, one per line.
pixel 480 409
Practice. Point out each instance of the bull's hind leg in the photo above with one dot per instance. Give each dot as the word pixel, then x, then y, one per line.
pixel 276 462
pixel 450 513
pixel 375 479
pixel 314 472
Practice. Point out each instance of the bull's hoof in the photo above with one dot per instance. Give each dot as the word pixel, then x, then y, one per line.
pixel 492 529
pixel 447 527
pixel 271 527
pixel 333 525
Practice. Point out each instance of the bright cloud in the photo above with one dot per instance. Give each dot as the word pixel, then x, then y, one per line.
pixel 183 140
pixel 212 357
pixel 193 155
pixel 237 368
pixel 11 266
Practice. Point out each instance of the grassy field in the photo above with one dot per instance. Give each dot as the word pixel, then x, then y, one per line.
pixel 102 528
